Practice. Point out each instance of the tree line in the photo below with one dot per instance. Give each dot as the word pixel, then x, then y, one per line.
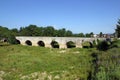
pixel 33 30
pixel 50 31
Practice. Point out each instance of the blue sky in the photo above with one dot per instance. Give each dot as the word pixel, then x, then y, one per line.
pixel 76 15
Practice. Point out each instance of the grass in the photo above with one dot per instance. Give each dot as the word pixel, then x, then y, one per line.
pixel 109 65
pixel 17 61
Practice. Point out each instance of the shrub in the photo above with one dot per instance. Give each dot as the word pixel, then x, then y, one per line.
pixel 12 39
pixel 103 45
pixel 115 44
pixel 94 43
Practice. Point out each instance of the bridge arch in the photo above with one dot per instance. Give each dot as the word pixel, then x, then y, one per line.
pixel 70 44
pixel 87 44
pixel 91 44
pixel 28 42
pixel 18 41
pixel 55 44
pixel 41 43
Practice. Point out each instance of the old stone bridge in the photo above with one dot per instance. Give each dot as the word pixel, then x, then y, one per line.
pixel 46 41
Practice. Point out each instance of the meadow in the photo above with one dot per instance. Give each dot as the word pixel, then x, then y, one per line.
pixel 19 62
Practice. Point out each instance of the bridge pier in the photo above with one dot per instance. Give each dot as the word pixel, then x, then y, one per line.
pixel 48 45
pixel 63 46
pixel 78 46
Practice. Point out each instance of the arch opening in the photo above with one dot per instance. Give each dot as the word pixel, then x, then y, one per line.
pixel 91 44
pixel 18 41
pixel 54 44
pixel 5 40
pixel 28 42
pixel 87 44
pixel 70 44
pixel 41 43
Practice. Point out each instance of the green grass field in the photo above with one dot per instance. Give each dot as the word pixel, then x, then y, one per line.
pixel 19 62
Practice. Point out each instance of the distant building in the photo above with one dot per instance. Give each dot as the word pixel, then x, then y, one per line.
pixel 104 36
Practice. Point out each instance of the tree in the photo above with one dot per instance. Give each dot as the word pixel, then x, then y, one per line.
pixel 14 31
pixel 101 34
pixel 103 45
pixel 81 35
pixel 11 39
pixel 68 33
pixel 87 35
pixel 4 32
pixel 61 32
pixel 31 30
pixel 117 30
pixel 23 32
pixel 49 31
pixel 91 34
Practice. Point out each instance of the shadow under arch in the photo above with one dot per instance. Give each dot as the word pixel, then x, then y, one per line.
pixel 88 44
pixel 91 44
pixel 18 41
pixel 70 44
pixel 28 42
pixel 54 44
pixel 41 43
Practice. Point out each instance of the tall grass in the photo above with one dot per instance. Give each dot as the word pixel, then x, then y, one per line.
pixel 18 61
pixel 107 65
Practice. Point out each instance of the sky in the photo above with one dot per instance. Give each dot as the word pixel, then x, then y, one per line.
pixel 76 15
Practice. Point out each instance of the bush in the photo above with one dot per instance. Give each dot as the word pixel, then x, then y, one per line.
pixel 12 39
pixel 109 65
pixel 103 45
pixel 115 44
pixel 94 43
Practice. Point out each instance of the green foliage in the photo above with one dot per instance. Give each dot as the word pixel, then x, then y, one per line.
pixel 49 31
pixel 103 45
pixel 33 30
pixel 86 44
pixel 94 44
pixel 91 34
pixel 107 65
pixel 79 35
pixel 28 62
pixel 69 33
pixel 4 32
pixel 19 61
pixel 115 44
pixel 101 75
pixel 117 30
pixel 70 44
pixel 61 32
pixel 12 39
pixel 101 34
pixel 87 35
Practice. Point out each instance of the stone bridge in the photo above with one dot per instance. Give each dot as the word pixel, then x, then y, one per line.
pixel 46 41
